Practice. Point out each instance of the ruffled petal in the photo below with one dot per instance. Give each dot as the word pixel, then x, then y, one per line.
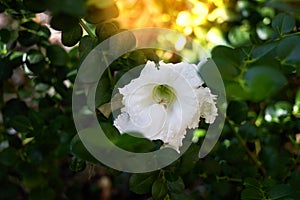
pixel 141 113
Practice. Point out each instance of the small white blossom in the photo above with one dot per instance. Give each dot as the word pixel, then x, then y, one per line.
pixel 164 101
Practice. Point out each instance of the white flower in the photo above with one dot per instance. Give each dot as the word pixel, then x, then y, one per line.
pixel 164 101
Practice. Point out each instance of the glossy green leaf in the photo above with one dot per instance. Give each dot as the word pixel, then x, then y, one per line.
pixel 288 49
pixel 27 38
pixel 72 36
pixel 263 82
pixel 35 61
pixel 159 189
pixel 142 183
pixel 227 60
pixel 62 22
pixel 281 192
pixel 260 51
pixel 21 123
pixel 252 194
pixel 57 55
pixel 283 23
pixel 284 5
pixel 32 25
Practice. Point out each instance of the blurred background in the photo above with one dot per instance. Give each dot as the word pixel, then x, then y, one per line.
pixel 255 45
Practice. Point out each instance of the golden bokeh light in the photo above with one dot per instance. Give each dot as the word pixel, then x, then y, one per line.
pixel 191 17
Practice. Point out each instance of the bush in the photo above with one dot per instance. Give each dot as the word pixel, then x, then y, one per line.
pixel 42 157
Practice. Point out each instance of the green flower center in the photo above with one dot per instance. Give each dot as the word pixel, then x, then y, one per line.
pixel 163 94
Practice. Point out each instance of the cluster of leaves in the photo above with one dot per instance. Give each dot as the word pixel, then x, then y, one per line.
pixel 257 156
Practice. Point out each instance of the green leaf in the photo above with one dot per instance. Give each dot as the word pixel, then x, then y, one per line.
pixel 281 192
pixel 57 55
pixel 35 61
pixel 21 123
pixel 237 111
pixel 96 15
pixel 288 49
pixel 252 194
pixel 177 186
pixel 283 5
pixel 263 82
pixel 248 131
pixel 142 183
pixel 283 23
pixel 63 22
pixel 72 36
pixel 235 91
pixel 253 190
pixel 27 39
pixel 135 144
pixel 159 189
pixel 103 91
pixel 189 159
pixel 228 61
pixel 78 149
pixel 34 56
pixel 105 30
pixel 260 51
pixel 86 44
pixel 31 25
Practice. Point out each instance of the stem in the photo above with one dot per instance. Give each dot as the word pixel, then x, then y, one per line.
pixel 108 70
pixel 87 29
pixel 226 178
pixel 243 143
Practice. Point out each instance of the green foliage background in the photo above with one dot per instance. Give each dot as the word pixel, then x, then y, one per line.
pixel 257 156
